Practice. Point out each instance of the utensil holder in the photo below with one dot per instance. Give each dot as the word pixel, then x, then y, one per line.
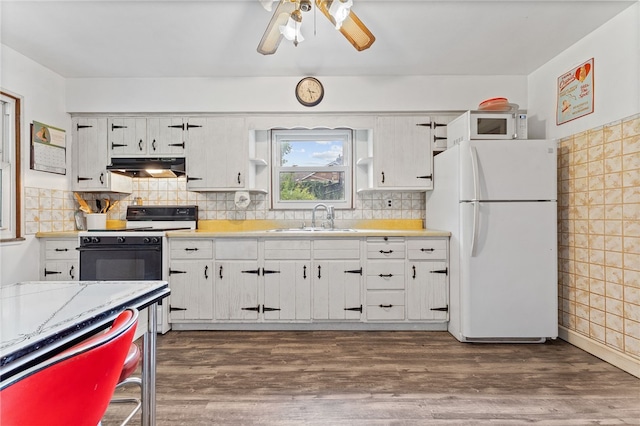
pixel 97 221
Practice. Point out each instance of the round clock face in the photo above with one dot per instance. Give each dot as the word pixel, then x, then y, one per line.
pixel 309 91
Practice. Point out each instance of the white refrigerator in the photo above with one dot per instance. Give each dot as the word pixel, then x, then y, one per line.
pixel 498 198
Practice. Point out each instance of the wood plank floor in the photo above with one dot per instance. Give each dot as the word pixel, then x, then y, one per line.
pixel 381 378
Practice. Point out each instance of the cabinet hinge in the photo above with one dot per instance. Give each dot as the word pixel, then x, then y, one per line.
pixel 354 271
pixel 441 271
pixel 267 309
pixel 425 177
pixel 177 144
pixel 82 126
pixel 189 178
pixel 172 309
pixel 268 271
pixel 358 309
pixel 115 126
pixel 174 271
pixel 445 309
pixel 190 126
pixel 252 308
pixel 46 272
pixel 252 271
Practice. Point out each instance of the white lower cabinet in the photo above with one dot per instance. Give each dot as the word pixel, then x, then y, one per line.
pixel 337 279
pixel 191 280
pixel 374 280
pixel 59 259
pixel 427 280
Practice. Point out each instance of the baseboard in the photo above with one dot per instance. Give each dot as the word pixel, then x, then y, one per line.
pixel 624 362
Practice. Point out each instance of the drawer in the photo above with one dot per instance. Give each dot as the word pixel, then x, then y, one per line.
pixel 237 249
pixel 385 305
pixel 287 249
pixel 336 248
pixel 427 249
pixel 191 249
pixel 385 250
pixel 61 249
pixel 385 275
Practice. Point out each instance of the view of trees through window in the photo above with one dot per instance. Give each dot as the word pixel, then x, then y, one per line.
pixel 312 166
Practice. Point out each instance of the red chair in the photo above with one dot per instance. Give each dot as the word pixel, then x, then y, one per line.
pixel 75 386
pixel 130 365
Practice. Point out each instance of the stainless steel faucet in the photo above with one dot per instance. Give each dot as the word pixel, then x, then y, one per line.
pixel 330 214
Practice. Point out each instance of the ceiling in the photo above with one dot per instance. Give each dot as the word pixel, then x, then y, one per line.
pixel 218 38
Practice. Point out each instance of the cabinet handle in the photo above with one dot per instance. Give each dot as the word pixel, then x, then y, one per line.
pixel 386 252
pixel 153 144
pixel 102 178
pixel 206 272
pixel 64 249
pixel 385 275
pixel 191 249
pixel 427 249
pixel 220 272
pixel 46 272
pixel 414 271
pixel 304 272
pixel 238 178
pixel 319 268
pixel 71 272
pixel 354 271
pixel 386 306
pixel 140 145
pixel 382 177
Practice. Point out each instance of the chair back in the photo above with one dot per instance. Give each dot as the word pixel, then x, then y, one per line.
pixel 75 386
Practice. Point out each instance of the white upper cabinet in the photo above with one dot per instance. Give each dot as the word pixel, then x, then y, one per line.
pixel 90 168
pixel 217 153
pixel 147 137
pixel 402 153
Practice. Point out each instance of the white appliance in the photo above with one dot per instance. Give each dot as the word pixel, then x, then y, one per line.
pixel 498 200
pixel 487 125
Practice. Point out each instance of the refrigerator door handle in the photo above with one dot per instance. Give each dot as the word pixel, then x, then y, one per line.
pixel 474 171
pixel 474 232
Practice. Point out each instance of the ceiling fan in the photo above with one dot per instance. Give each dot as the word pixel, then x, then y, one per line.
pixel 287 19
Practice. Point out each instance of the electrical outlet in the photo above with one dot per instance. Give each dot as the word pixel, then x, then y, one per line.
pixel 388 203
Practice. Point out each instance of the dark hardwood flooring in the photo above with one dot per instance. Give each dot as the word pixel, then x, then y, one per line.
pixel 381 378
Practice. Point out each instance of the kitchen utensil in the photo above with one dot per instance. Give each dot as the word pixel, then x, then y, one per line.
pixel 112 205
pixel 98 206
pixel 83 204
pixel 105 205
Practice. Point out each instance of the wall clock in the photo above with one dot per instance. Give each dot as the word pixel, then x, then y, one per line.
pixel 309 91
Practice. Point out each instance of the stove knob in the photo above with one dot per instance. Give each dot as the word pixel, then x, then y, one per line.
pixel 121 240
pixel 155 240
pixel 86 240
pixel 146 240
pixel 95 240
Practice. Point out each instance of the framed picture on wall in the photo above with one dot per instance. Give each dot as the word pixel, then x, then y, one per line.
pixel 575 93
pixel 48 148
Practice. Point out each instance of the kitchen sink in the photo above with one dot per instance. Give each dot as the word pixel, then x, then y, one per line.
pixel 311 229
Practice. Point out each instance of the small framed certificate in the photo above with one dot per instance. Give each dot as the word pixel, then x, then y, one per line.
pixel 575 93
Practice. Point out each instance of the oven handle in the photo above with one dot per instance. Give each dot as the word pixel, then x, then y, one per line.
pixel 121 248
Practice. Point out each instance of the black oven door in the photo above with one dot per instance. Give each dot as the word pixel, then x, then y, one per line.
pixel 121 263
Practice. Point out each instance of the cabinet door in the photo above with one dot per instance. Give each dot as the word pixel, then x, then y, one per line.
pixel 402 152
pixel 191 284
pixel 167 136
pixel 90 135
pixel 427 291
pixel 236 291
pixel 336 290
pixel 287 290
pixel 127 136
pixel 60 271
pixel 217 153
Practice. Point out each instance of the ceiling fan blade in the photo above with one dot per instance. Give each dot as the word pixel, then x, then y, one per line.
pixel 272 36
pixel 352 28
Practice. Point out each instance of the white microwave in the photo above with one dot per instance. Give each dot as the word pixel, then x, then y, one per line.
pixel 498 125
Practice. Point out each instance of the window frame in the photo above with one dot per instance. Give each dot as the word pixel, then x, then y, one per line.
pixel 11 167
pixel 282 135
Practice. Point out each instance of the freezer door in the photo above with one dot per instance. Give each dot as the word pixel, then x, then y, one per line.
pixel 508 277
pixel 502 170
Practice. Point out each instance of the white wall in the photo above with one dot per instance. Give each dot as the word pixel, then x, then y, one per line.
pixel 43 99
pixel 275 94
pixel 615 47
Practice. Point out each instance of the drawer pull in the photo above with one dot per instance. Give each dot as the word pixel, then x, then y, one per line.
pixel 206 272
pixel 304 272
pixel 414 271
pixel 191 249
pixel 220 272
pixel 71 274
pixel 385 275
pixel 319 269
pixel 64 249
pixel 386 251
pixel 427 249
pixel 386 306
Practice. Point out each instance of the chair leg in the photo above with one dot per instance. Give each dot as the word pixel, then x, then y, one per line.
pixel 138 401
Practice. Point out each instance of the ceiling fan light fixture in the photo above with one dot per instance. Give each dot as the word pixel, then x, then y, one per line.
pixel 340 10
pixel 291 31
